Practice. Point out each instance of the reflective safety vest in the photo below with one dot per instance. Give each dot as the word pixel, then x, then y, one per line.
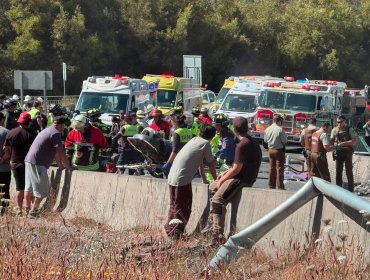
pixel 85 156
pixel 185 135
pixel 130 130
pixel 33 112
pixel 316 144
pixel 195 128
pixel 215 143
pixel 50 120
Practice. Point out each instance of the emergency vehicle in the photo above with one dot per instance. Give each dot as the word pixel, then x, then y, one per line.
pixel 175 92
pixel 241 99
pixel 113 94
pixel 297 102
pixel 355 108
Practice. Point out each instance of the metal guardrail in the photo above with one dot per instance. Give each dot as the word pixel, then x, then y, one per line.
pixel 238 243
pixel 69 100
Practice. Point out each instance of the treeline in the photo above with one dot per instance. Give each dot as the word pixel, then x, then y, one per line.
pixel 303 38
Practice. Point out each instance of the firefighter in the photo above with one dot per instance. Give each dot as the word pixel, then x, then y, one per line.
pixel 320 145
pixel 83 144
pixel 127 152
pixel 204 116
pixel 181 136
pixel 196 121
pixel 94 118
pixel 344 140
pixel 158 124
pixel 226 150
pixel 305 139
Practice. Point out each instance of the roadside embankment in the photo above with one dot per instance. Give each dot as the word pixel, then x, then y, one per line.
pixel 125 202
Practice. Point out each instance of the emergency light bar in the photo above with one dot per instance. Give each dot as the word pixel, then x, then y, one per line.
pixel 168 76
pixel 289 79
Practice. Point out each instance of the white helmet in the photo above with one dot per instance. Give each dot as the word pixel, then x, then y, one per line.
pixel 79 121
pixel 40 99
pixel 148 132
pixel 15 97
pixel 27 98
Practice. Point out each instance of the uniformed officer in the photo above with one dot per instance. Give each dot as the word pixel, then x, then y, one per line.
pixel 320 145
pixel 276 139
pixel 305 140
pixel 344 140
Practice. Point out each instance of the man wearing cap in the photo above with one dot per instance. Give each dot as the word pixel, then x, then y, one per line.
pixel 127 152
pixel 320 145
pixel 5 173
pixel 17 144
pixel 276 139
pixel 27 103
pixel 159 124
pixel 84 143
pixel 305 139
pixel 344 139
pixel 46 147
pixel 243 173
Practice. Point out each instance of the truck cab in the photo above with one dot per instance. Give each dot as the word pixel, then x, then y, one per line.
pixel 113 94
pixel 175 92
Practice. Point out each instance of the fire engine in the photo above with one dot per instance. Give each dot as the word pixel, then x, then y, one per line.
pixel 297 102
pixel 355 107
pixel 175 92
pixel 113 94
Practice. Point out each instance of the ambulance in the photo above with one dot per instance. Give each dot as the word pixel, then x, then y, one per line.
pixel 112 95
pixel 175 92
pixel 241 98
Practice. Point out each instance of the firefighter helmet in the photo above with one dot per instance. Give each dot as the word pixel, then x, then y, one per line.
pixel 93 113
pixel 221 119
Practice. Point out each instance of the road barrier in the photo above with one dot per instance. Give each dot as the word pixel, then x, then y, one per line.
pixel 238 243
pixel 127 202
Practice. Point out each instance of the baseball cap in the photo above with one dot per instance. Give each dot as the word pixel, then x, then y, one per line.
pixel 24 118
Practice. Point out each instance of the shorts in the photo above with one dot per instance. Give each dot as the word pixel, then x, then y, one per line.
pixel 37 180
pixel 19 177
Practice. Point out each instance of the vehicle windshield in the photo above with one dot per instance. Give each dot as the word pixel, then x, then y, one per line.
pixel 211 97
pixel 221 95
pixel 239 103
pixel 287 101
pixel 166 98
pixel 106 102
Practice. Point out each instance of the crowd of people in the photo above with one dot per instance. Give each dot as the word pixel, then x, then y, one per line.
pixel 31 141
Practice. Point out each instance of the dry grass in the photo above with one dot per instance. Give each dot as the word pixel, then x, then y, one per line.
pixel 52 248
